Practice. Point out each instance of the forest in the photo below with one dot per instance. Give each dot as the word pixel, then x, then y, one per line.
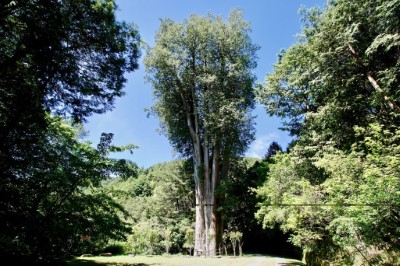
pixel 331 197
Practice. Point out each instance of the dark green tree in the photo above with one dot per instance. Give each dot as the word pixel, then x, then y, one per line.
pixel 66 58
pixel 58 207
pixel 273 149
pixel 60 57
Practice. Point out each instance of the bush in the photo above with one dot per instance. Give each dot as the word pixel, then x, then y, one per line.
pixel 116 249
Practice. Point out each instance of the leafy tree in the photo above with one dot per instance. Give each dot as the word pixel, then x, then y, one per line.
pixel 232 237
pixel 240 205
pixel 338 86
pixel 352 214
pixel 66 57
pixel 146 238
pixel 159 200
pixel 341 73
pixel 59 57
pixel 240 201
pixel 225 243
pixel 70 54
pixel 201 74
pixel 236 240
pixel 60 207
pixel 189 240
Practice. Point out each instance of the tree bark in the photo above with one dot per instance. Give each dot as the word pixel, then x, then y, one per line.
pixel 372 80
pixel 205 176
pixel 199 226
pixel 208 220
pixel 199 175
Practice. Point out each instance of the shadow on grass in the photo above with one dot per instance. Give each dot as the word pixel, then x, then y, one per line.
pixel 83 262
pixel 291 264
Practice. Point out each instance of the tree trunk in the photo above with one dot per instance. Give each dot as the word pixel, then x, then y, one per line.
pixel 208 221
pixel 234 247
pixel 206 174
pixel 200 220
pixel 199 227
pixel 216 222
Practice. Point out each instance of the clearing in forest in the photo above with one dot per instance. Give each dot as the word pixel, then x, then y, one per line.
pixel 249 260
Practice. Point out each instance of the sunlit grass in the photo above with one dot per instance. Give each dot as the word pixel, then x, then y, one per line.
pixel 182 261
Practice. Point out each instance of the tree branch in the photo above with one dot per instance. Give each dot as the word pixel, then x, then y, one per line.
pixel 372 80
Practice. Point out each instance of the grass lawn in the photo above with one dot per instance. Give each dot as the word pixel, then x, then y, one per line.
pixel 183 261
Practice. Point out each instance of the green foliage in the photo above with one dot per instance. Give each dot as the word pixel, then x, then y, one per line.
pixel 238 208
pixel 240 201
pixel 189 240
pixel 353 214
pixel 342 70
pixel 336 191
pixel 68 56
pixel 115 248
pixel 203 65
pixel 62 58
pixel 59 206
pixel 236 240
pixel 273 149
pixel 160 204
pixel 146 239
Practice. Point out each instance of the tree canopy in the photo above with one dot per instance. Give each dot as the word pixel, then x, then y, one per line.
pixel 57 58
pixel 57 200
pixel 201 72
pixel 70 54
pixel 341 73
pixel 336 191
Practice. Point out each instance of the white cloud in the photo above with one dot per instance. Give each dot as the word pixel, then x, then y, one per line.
pixel 259 147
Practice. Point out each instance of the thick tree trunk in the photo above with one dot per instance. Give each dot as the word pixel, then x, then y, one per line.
pixel 206 174
pixel 216 220
pixel 199 226
pixel 207 219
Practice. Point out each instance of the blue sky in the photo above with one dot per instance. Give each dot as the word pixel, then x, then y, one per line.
pixel 274 23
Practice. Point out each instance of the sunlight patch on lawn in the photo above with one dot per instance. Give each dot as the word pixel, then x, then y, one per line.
pixel 181 261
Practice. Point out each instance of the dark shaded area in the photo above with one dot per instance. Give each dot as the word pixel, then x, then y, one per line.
pixel 241 204
pixel 272 242
pixel 93 263
pixel 24 261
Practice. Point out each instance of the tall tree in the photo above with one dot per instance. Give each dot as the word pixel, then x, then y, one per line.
pixel 342 72
pixel 60 57
pixel 201 74
pixel 64 57
pixel 338 86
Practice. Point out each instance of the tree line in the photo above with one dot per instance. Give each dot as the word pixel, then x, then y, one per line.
pixel 161 212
